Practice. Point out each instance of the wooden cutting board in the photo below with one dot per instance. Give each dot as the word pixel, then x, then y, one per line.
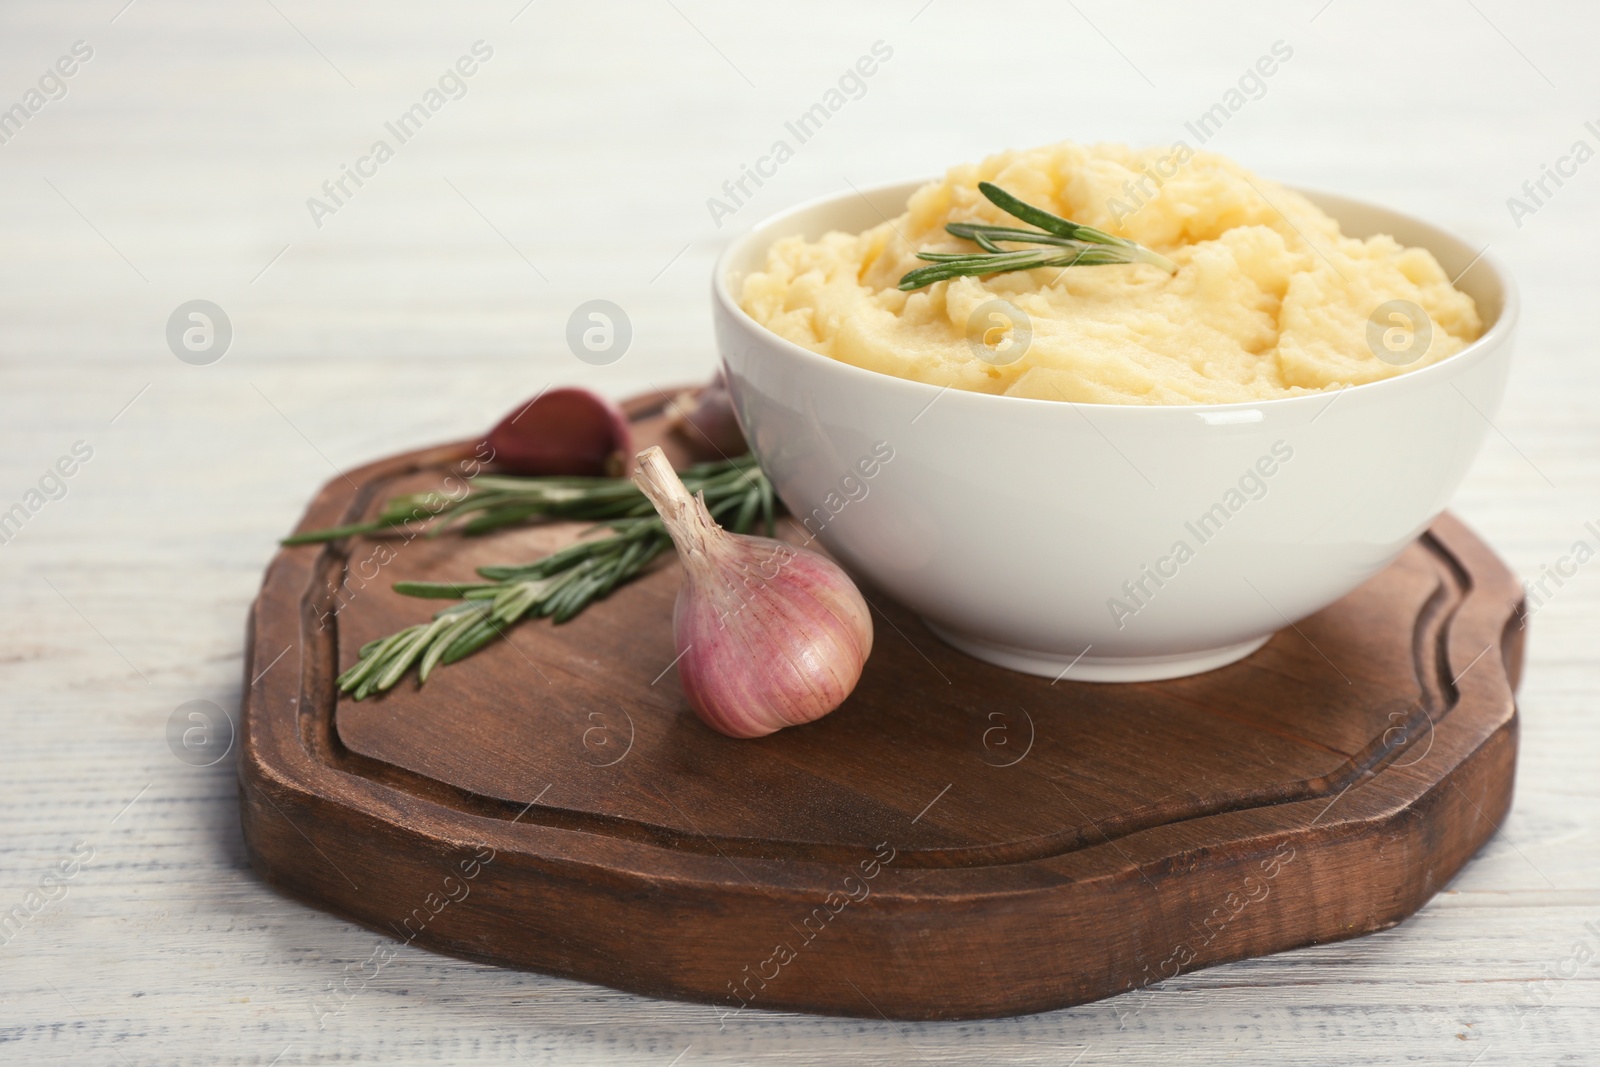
pixel 955 841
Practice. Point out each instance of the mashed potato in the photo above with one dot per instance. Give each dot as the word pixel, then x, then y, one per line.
pixel 1270 299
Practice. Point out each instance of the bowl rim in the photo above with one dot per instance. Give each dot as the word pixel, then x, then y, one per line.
pixel 1490 340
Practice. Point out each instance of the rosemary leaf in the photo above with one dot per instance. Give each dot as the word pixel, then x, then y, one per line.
pixel 481 633
pixel 1043 219
pixel 437 649
pixel 440 590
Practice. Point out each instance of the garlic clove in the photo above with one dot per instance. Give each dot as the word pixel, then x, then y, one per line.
pixel 767 635
pixel 704 419
pixel 563 431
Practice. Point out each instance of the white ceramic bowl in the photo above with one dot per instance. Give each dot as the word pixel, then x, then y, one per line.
pixel 1015 527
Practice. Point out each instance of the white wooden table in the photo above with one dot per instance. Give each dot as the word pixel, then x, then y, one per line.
pixel 576 166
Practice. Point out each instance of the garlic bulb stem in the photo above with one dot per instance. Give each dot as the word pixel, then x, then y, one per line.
pixel 686 517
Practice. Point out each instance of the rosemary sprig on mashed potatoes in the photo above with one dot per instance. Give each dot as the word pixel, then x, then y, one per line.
pixel 1269 299
pixel 1068 244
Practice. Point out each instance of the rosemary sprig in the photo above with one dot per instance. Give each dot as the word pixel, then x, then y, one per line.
pixel 496 500
pixel 1066 244
pixel 560 585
